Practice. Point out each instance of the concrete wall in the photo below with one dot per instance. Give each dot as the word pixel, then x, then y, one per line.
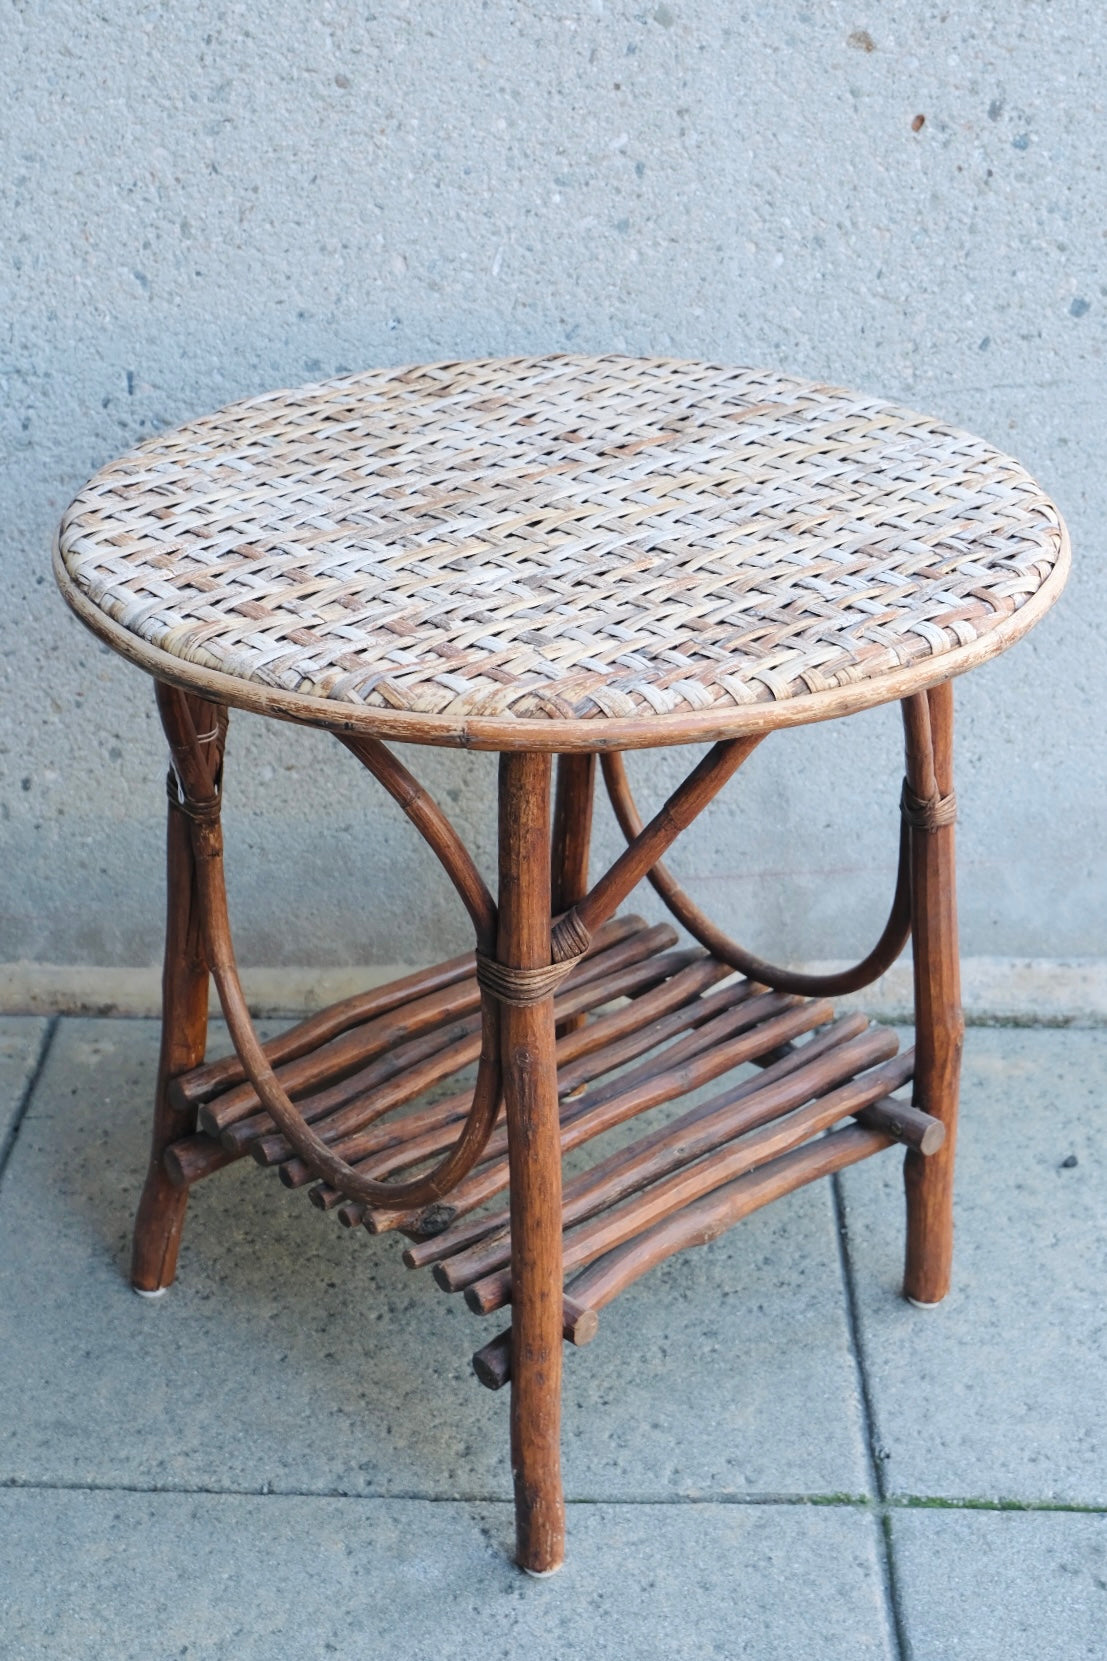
pixel 202 201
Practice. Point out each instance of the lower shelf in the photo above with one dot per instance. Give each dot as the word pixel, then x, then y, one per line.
pixel 642 1023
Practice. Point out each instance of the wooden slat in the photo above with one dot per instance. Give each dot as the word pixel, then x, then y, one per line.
pixel 704 1221
pixel 468 1232
pixel 647 1018
pixel 670 1029
pixel 235 1118
pixel 201 1083
pixel 416 1064
pixel 611 1224
pixel 583 1120
pixel 698 1225
pixel 704 1130
pixel 492 1362
pixel 648 1033
pixel 746 1015
pixel 345 1128
pixel 336 1064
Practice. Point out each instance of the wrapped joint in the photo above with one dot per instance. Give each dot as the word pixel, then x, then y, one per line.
pixel 570 939
pixel 204 809
pixel 927 813
pixel 522 986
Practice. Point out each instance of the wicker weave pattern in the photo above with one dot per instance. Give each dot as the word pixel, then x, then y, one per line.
pixel 561 537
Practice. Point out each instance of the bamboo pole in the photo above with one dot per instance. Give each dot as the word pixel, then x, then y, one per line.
pixel 571 841
pixel 939 1025
pixel 184 1024
pixel 689 799
pixel 530 1104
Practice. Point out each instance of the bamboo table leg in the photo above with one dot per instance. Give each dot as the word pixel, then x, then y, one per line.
pixel 572 829
pixel 572 837
pixel 161 1210
pixel 534 1152
pixel 939 1025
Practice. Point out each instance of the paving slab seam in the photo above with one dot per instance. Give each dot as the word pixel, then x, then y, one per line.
pixel 893 1598
pixel 846 1502
pixel 855 1502
pixel 8 1142
pixel 937 1502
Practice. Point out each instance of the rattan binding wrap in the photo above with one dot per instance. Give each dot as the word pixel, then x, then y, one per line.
pixel 562 539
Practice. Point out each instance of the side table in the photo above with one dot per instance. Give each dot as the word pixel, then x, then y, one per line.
pixel 572 556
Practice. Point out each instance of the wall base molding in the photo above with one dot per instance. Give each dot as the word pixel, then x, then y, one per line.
pixel 998 991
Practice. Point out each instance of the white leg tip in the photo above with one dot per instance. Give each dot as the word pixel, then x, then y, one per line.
pixel 541 1574
pixel 916 1303
pixel 158 1292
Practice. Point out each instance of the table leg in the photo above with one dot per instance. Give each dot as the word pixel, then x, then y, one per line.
pixel 534 1154
pixel 939 1025
pixel 572 838
pixel 184 1023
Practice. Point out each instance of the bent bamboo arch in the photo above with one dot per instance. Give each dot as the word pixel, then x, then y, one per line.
pixel 198 779
pixel 920 804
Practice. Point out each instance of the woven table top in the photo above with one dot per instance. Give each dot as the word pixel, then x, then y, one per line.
pixel 561 552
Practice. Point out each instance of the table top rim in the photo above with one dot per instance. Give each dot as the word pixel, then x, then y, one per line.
pixel 595 734
pixel 593 726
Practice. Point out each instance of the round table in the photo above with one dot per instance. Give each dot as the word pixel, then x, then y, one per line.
pixel 573 556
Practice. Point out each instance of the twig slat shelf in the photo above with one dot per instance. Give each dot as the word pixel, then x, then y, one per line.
pixel 687 1013
pixel 575 557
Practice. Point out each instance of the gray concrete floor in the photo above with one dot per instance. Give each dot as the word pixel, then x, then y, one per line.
pixel 767 1453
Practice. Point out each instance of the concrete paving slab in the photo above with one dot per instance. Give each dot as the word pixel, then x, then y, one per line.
pixel 144 1577
pixel 295 1356
pixel 999 1392
pixel 21 1040
pixel 993 1586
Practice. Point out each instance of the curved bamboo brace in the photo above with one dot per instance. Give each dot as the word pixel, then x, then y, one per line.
pixel 919 744
pixel 699 925
pixel 200 798
pixel 571 932
pixel 435 829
